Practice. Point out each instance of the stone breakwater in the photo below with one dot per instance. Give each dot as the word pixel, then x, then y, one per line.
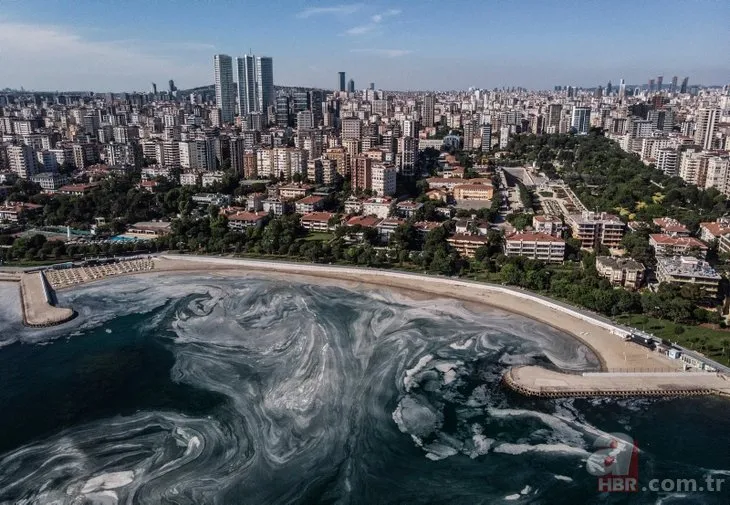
pixel 36 302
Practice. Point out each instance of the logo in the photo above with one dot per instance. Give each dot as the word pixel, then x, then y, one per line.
pixel 615 462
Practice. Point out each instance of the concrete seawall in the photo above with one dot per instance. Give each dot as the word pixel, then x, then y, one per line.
pixel 540 382
pixel 36 302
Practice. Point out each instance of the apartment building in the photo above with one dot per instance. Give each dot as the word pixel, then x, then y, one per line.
pixel 665 245
pixel 683 270
pixel 625 272
pixel 537 246
pixel 549 225
pixel 467 245
pixel 597 228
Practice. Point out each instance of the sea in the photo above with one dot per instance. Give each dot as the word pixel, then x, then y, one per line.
pixel 204 389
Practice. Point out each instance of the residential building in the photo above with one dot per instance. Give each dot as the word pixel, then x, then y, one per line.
pixel 625 272
pixel 225 98
pixel 50 181
pixel 671 227
pixel 594 229
pixel 665 245
pixel 242 220
pixel 537 246
pixel 581 119
pixel 246 70
pixel 309 204
pixel 549 225
pixel 683 270
pixel 705 125
pixel 377 206
pixel 383 179
pixel 467 245
pixel 21 160
pixel 317 221
pixel 264 82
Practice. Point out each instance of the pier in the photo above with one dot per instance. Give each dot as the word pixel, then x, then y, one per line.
pixel 540 382
pixel 37 302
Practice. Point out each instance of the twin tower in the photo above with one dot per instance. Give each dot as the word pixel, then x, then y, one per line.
pixel 255 79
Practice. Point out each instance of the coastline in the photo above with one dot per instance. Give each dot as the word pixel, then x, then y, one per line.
pixel 599 336
pixel 628 361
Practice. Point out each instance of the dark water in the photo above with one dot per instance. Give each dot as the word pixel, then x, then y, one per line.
pixel 195 390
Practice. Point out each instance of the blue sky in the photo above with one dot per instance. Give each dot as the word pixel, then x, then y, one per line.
pixel 420 44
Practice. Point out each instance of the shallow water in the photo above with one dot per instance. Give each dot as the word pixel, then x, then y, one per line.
pixel 197 389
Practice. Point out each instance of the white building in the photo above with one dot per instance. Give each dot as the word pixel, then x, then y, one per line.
pixel 581 119
pixel 382 179
pixel 225 97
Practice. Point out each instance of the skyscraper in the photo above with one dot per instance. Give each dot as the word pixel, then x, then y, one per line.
pixel 171 86
pixel 705 127
pixel 651 85
pixel 621 90
pixel 265 82
pixel 246 70
pixel 428 110
pixel 342 81
pixel 351 86
pixel 673 86
pixel 685 82
pixel 609 88
pixel 224 92
pixel 659 81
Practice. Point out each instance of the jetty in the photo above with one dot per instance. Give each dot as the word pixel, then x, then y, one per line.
pixel 37 302
pixel 540 382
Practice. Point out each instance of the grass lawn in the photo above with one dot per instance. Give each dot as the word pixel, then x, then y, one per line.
pixel 318 235
pixel 712 343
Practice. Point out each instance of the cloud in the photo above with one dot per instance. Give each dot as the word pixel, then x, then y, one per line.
pixel 374 23
pixel 49 57
pixel 388 53
pixel 334 9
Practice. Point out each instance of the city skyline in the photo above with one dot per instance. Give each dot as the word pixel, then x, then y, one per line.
pixel 488 46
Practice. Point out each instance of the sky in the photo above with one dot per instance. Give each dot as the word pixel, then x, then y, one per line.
pixel 125 45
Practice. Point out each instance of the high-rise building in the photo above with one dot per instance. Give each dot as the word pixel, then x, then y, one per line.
pixel 265 83
pixel 555 113
pixel 685 82
pixel 673 86
pixel 22 160
pixel 171 86
pixel 581 119
pixel 486 131
pixel 224 91
pixel 351 86
pixel 651 85
pixel 372 86
pixel 667 161
pixel 428 111
pixel 246 72
pixel 705 127
pixel 609 88
pixel 342 80
pixel 282 111
pixel 659 82
pixel 383 179
pixel 621 90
